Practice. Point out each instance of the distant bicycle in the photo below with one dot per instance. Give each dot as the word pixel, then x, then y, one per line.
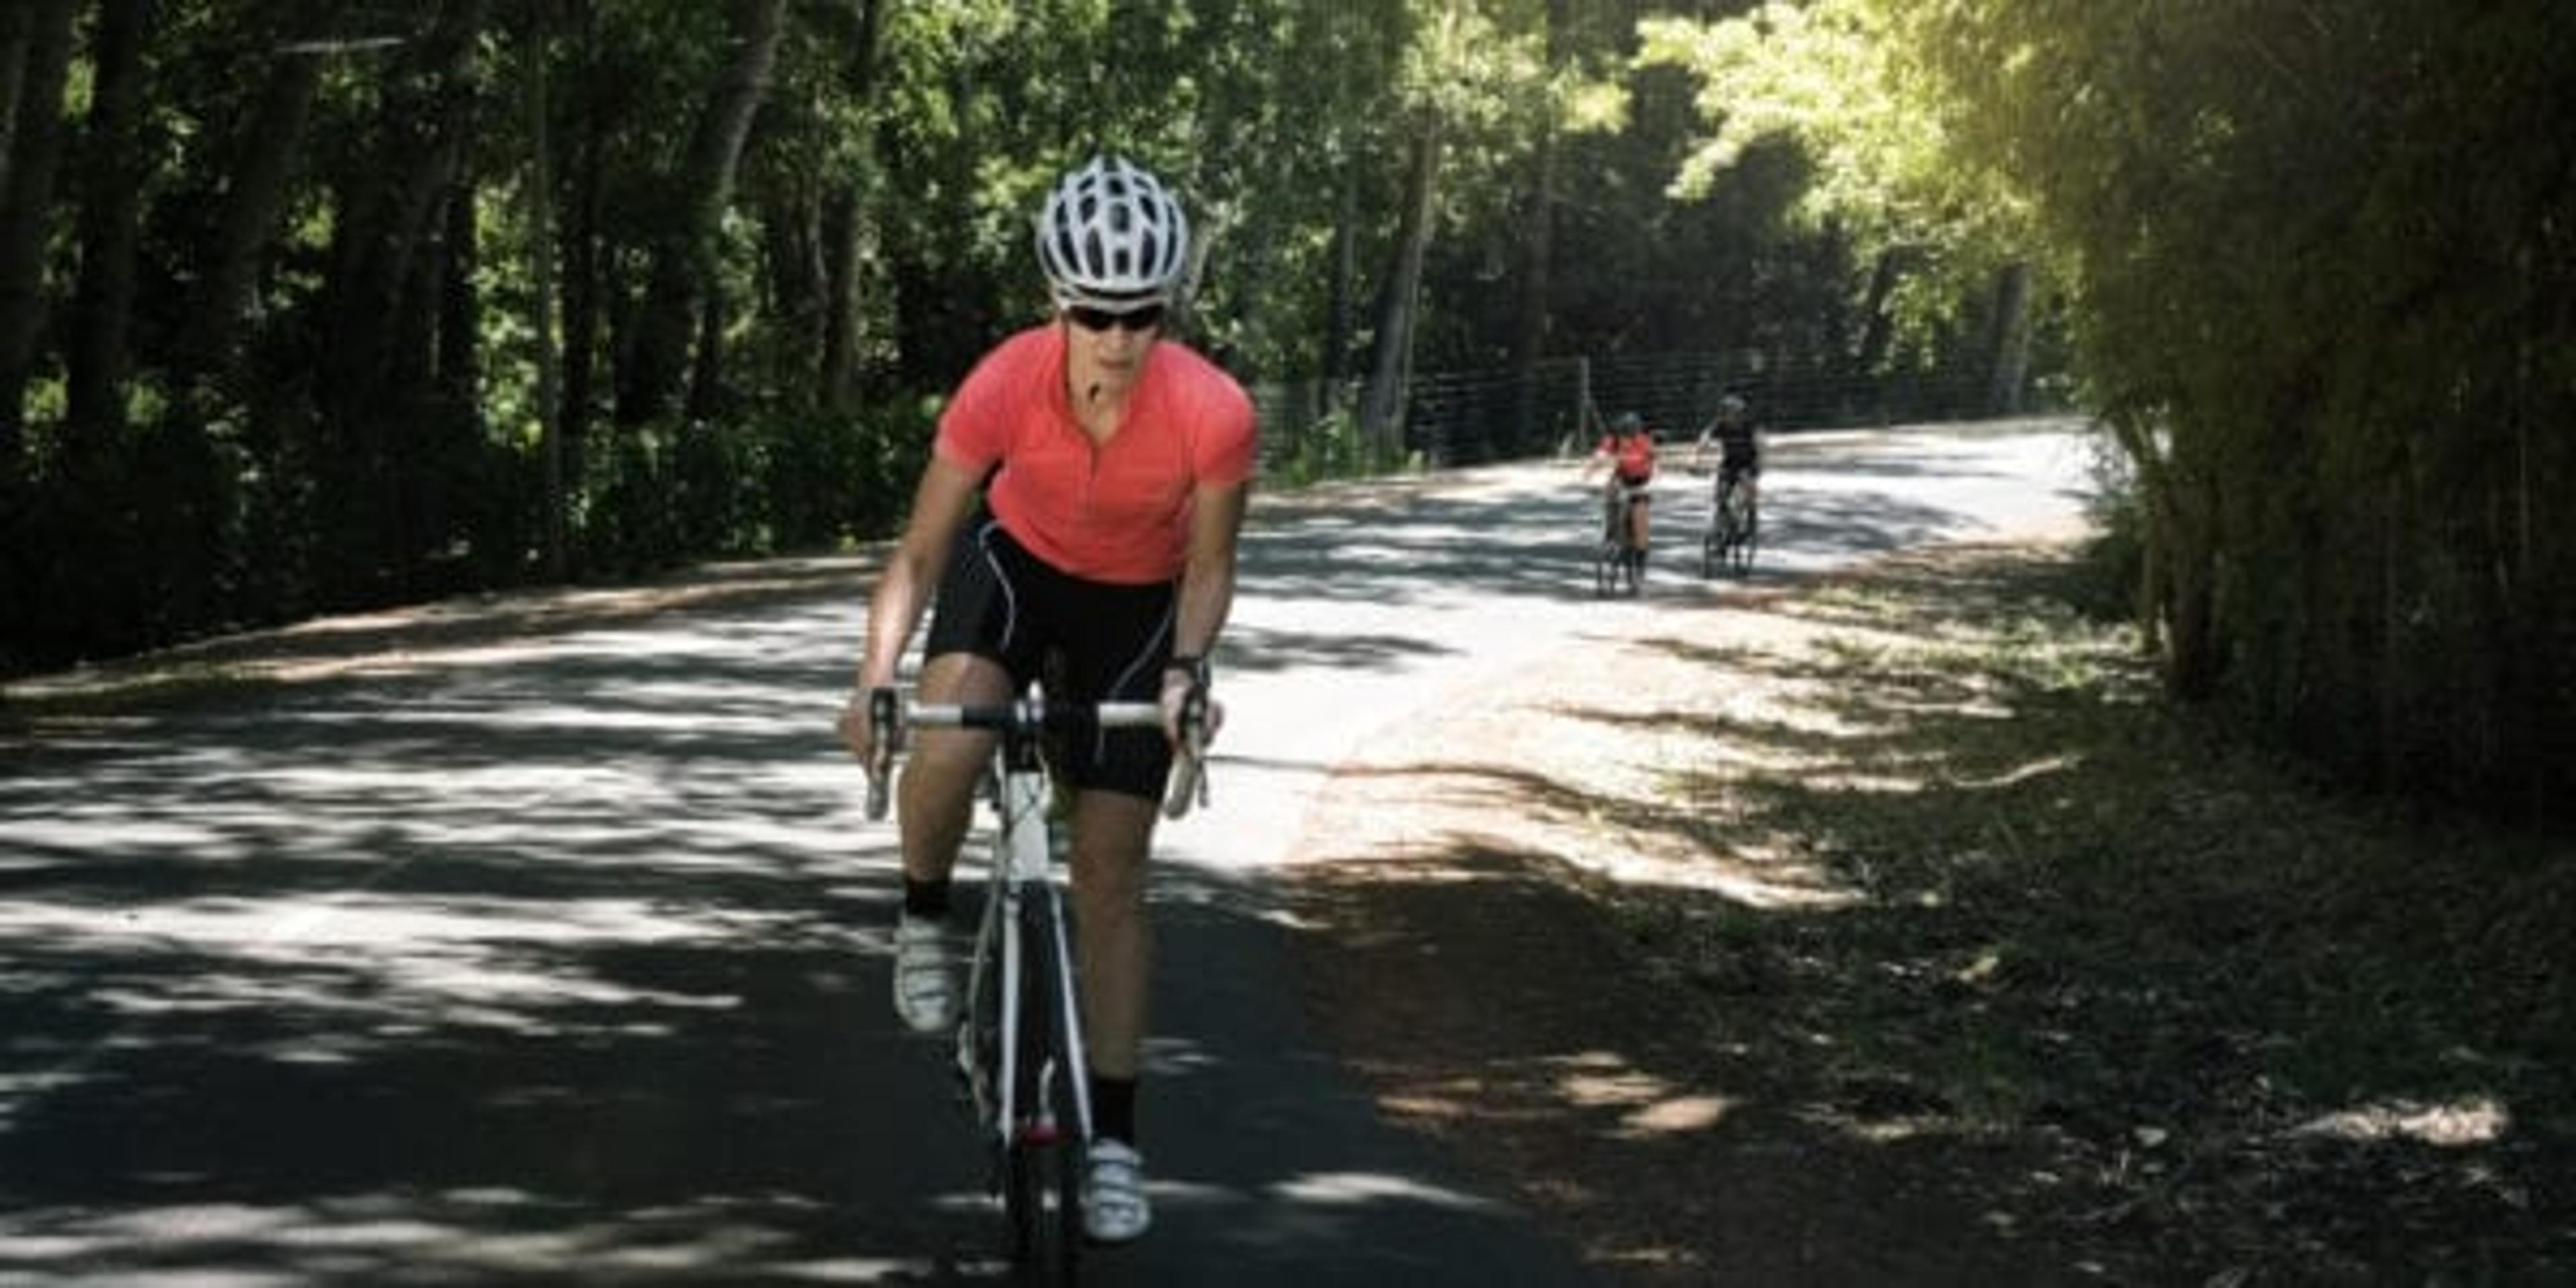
pixel 1734 529
pixel 1735 511
pixel 1019 1045
pixel 1618 562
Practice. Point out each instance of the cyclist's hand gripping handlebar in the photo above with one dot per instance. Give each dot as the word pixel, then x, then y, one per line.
pixel 884 729
pixel 1189 778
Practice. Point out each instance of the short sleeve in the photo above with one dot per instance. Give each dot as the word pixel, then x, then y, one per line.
pixel 971 428
pixel 1227 445
pixel 975 428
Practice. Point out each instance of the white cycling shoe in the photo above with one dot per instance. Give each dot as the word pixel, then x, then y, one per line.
pixel 925 989
pixel 1114 1208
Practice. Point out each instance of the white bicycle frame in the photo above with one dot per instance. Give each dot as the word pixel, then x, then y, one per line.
pixel 1026 863
pixel 1024 867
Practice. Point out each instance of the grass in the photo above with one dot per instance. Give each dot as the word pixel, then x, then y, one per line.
pixel 2251 1028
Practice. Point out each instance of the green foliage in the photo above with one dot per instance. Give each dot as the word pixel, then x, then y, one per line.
pixel 778 482
pixel 1330 448
pixel 2348 346
pixel 1835 80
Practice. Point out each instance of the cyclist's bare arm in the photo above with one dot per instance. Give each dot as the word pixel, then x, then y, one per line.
pixel 1206 599
pixel 1207 579
pixel 940 506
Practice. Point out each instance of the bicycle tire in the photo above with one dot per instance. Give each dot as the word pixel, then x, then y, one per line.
pixel 977 1056
pixel 1042 1188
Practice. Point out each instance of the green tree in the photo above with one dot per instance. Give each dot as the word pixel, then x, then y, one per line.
pixel 2332 349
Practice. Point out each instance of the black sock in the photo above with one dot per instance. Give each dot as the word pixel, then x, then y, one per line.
pixel 925 898
pixel 1113 1107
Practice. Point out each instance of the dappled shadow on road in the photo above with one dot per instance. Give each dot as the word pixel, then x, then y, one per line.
pixel 1528 530
pixel 568 968
pixel 1943 955
pixel 461 954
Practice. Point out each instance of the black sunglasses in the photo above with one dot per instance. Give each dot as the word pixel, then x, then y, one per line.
pixel 1093 319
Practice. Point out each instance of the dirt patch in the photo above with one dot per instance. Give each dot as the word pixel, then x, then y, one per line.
pixel 1469 965
pixel 1892 931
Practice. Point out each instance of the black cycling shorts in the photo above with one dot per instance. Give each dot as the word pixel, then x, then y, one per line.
pixel 1111 642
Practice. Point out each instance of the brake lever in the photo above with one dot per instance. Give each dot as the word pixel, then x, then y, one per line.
pixel 1190 785
pixel 885 723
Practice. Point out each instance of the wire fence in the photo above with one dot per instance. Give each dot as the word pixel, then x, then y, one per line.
pixel 1310 428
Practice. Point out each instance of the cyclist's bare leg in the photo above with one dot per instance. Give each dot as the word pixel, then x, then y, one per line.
pixel 1637 514
pixel 1111 834
pixel 937 791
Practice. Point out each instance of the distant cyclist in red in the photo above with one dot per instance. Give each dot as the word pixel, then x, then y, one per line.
pixel 1118 463
pixel 1629 449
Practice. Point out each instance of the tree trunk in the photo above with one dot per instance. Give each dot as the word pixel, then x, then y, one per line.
pixel 2190 539
pixel 846 233
pixel 2178 593
pixel 383 299
pixel 1878 326
pixel 705 398
pixel 264 153
pixel 536 112
pixel 796 223
pixel 1337 309
pixel 2155 509
pixel 581 276
pixel 1538 262
pixel 379 304
pixel 13 69
pixel 111 219
pixel 1381 410
pixel 849 231
pixel 652 379
pixel 35 144
pixel 2009 369
pixel 457 369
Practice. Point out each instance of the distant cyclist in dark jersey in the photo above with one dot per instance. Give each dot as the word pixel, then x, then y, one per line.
pixel 1629 450
pixel 1118 463
pixel 1739 441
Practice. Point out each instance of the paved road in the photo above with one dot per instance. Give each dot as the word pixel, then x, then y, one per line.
pixel 563 961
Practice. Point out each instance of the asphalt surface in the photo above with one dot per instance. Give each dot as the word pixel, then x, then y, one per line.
pixel 563 960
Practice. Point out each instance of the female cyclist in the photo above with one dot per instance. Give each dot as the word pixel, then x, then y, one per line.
pixel 1082 499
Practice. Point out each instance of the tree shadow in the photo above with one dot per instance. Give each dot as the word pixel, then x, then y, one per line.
pixel 570 969
pixel 2067 992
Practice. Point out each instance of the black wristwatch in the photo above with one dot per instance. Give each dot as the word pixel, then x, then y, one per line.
pixel 1196 666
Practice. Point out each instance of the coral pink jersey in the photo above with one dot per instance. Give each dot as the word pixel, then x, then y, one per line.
pixel 1632 454
pixel 1117 511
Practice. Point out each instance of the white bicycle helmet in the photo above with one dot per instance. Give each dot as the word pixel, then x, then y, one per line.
pixel 1112 236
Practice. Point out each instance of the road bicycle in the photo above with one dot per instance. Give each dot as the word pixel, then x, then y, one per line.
pixel 1618 562
pixel 1734 529
pixel 1019 1052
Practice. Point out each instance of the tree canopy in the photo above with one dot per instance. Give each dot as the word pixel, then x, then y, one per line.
pixel 2316 261
pixel 309 306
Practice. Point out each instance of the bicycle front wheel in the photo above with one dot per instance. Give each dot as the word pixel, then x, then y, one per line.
pixel 1043 1187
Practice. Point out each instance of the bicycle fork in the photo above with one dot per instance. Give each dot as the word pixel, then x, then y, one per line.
pixel 1024 915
